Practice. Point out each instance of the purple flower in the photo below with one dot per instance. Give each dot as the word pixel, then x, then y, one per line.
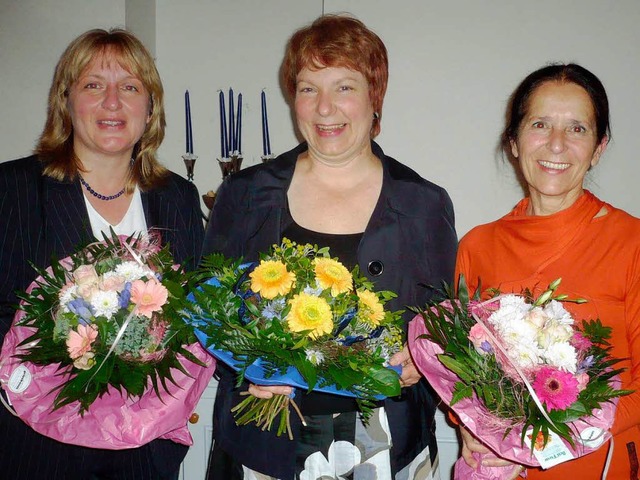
pixel 585 364
pixel 485 346
pixel 125 296
pixel 80 307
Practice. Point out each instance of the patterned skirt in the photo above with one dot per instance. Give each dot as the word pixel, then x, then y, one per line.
pixel 341 447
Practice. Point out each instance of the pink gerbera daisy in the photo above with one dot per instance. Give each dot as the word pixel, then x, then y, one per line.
pixel 555 388
pixel 148 297
pixel 80 340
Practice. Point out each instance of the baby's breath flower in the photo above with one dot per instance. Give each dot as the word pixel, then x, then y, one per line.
pixel 316 357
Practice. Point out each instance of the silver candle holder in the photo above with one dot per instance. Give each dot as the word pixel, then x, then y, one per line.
pixel 230 164
pixel 190 163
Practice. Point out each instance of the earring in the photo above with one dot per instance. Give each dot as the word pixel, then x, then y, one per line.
pixel 376 115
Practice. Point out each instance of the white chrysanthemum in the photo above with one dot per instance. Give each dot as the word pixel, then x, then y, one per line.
pixel 524 354
pixel 132 271
pixel 563 356
pixel 105 303
pixel 314 356
pixel 517 332
pixel 66 295
pixel 512 310
pixel 557 311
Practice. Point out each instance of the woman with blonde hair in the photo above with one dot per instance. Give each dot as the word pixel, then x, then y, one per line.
pixel 94 170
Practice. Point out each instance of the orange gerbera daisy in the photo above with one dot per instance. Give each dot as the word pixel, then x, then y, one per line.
pixel 370 307
pixel 332 274
pixel 271 278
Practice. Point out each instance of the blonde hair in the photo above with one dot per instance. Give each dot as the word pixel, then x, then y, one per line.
pixel 55 146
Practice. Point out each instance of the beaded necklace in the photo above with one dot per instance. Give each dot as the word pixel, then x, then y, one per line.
pixel 98 195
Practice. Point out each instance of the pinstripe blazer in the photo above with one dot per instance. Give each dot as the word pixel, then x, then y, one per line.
pixel 41 217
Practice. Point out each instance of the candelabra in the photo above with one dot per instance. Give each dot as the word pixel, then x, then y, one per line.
pixel 230 164
pixel 190 163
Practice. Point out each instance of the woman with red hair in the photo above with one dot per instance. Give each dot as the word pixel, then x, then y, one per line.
pixel 337 189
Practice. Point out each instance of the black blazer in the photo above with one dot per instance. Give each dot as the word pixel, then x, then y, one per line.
pixel 409 244
pixel 41 217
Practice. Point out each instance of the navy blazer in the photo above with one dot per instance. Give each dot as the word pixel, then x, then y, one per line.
pixel 39 218
pixel 408 247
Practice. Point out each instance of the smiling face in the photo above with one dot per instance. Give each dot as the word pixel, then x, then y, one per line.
pixel 334 113
pixel 557 144
pixel 109 110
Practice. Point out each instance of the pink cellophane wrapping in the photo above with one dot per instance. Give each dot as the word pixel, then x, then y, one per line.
pixel 113 421
pixel 474 416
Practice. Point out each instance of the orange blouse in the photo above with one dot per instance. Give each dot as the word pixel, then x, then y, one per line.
pixel 598 258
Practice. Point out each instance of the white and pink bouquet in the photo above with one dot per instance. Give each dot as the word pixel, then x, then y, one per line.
pixel 520 374
pixel 99 341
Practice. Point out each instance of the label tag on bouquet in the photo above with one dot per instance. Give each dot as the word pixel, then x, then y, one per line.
pixel 20 379
pixel 553 453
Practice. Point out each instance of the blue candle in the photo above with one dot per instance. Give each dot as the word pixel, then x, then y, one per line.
pixel 187 113
pixel 232 127
pixel 264 116
pixel 266 125
pixel 223 127
pixel 239 124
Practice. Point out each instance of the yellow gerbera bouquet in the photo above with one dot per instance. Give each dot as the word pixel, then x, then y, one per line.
pixel 299 318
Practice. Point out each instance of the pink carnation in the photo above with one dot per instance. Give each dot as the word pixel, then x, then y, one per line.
pixel 555 388
pixel 148 297
pixel 580 342
pixel 79 342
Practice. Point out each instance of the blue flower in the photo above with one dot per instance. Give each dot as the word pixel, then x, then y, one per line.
pixel 81 308
pixel 273 309
pixel 486 347
pixel 585 364
pixel 125 296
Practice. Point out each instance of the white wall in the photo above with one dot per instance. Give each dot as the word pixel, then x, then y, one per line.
pixel 33 34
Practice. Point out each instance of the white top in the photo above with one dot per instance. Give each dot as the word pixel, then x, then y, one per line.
pixel 133 221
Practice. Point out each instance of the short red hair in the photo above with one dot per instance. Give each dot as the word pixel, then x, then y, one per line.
pixel 339 41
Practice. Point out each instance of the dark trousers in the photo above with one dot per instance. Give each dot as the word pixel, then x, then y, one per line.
pixel 27 455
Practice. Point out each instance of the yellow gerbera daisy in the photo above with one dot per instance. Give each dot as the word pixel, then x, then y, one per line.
pixel 271 278
pixel 332 274
pixel 371 307
pixel 309 312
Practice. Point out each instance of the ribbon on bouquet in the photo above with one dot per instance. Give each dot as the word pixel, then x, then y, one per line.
pixel 495 341
pixel 124 325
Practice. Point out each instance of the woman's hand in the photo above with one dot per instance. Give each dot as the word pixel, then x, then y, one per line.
pixel 264 391
pixel 471 445
pixel 410 375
